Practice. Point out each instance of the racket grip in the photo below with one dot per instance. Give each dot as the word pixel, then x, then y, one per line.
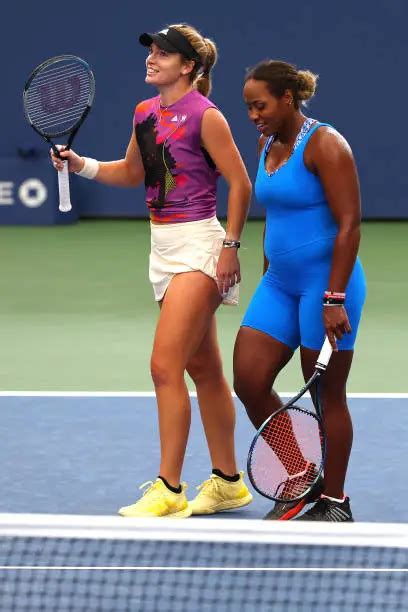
pixel 324 355
pixel 63 187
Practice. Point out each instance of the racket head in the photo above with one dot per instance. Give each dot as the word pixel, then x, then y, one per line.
pixel 287 454
pixel 58 95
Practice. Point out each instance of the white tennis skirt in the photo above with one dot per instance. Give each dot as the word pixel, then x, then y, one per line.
pixel 186 247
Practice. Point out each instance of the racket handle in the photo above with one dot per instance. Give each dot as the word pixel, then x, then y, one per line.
pixel 324 355
pixel 63 187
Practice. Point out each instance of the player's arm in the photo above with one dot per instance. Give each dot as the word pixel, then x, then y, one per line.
pixel 127 172
pixel 218 141
pixel 261 144
pixel 332 160
pixel 265 259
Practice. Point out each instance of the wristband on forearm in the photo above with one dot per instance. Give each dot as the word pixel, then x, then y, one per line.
pixel 90 169
pixel 231 244
pixel 333 298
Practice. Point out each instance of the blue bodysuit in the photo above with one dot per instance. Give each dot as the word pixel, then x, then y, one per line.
pixel 299 240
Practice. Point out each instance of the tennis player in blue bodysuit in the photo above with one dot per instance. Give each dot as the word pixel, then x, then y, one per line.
pixel 313 281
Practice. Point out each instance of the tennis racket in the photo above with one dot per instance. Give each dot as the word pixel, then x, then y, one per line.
pixel 287 454
pixel 57 97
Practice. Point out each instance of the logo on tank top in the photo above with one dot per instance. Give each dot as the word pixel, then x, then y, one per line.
pixel 177 118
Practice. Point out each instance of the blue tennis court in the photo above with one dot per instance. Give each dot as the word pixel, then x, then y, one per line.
pixel 88 453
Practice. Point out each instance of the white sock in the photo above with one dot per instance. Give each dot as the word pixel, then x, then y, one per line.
pixel 335 499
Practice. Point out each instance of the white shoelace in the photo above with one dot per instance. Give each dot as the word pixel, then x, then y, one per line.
pixel 211 483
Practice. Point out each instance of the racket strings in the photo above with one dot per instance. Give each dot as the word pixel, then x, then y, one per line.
pixel 57 103
pixel 58 96
pixel 42 84
pixel 294 486
pixel 287 455
pixel 38 109
pixel 279 435
pixel 59 66
pixel 59 73
pixel 46 123
pixel 50 98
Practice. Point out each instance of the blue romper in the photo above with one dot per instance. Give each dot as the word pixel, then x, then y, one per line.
pixel 299 240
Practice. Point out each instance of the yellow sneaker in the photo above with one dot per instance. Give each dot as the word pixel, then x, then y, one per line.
pixel 158 500
pixel 217 495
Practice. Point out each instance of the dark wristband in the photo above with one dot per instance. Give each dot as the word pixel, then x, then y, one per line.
pixel 231 244
pixel 330 301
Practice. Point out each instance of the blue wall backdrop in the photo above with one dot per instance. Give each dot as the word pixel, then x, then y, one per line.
pixel 359 49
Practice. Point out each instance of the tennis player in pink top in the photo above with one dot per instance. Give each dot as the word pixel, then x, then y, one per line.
pixel 179 146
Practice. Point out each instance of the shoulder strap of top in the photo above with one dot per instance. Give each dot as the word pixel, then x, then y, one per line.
pixel 145 107
pixel 312 130
pixel 195 101
pixel 268 144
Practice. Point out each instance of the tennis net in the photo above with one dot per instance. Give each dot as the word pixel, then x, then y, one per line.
pixel 77 563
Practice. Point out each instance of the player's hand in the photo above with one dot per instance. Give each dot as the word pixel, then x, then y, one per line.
pixel 336 323
pixel 75 162
pixel 228 270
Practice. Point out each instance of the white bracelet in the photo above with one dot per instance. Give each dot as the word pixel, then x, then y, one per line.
pixel 90 169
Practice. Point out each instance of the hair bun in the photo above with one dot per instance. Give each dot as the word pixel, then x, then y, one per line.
pixel 307 82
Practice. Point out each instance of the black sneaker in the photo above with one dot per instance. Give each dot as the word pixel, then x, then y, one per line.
pixel 284 511
pixel 329 510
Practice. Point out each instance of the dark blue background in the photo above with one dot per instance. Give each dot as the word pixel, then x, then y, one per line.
pixel 359 49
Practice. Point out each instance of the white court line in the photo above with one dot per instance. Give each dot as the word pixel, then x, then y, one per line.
pixel 205 530
pixel 147 394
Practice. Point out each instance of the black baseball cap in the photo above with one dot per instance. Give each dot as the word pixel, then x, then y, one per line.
pixel 172 41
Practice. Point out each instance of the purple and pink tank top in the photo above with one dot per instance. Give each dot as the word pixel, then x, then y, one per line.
pixel 180 176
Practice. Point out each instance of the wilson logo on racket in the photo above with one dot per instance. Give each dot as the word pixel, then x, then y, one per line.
pixel 60 96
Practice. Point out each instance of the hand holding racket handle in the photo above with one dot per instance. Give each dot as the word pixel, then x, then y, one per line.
pixel 63 187
pixel 324 355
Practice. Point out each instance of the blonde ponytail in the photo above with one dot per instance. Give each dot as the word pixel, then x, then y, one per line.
pixel 206 48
